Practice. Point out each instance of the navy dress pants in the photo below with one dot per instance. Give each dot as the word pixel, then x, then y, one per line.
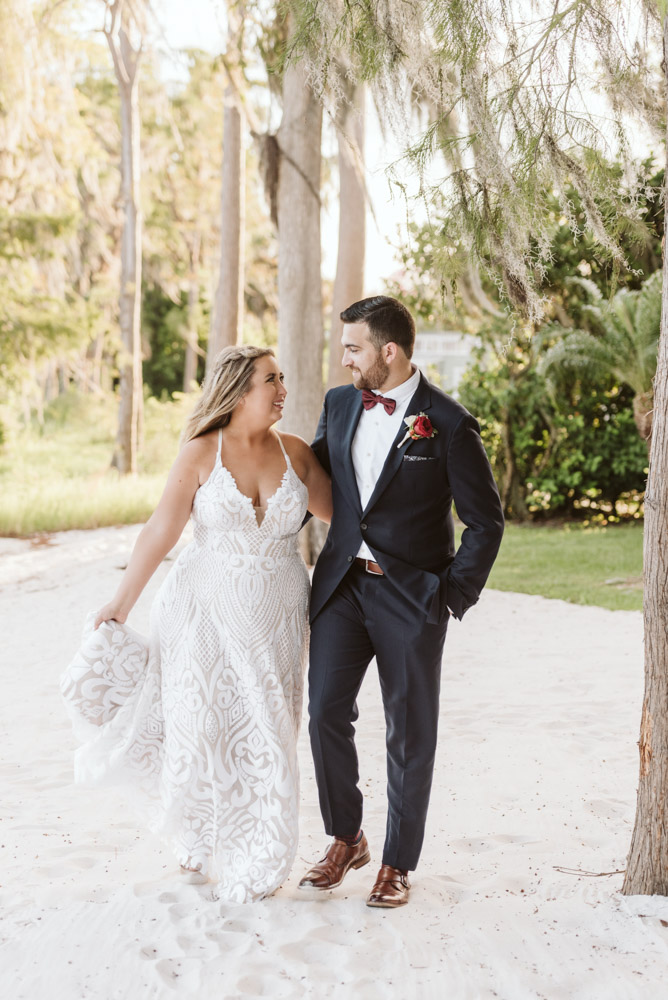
pixel 367 616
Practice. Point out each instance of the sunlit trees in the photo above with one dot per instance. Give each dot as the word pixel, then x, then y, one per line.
pixel 124 30
pixel 349 279
pixel 228 308
pixel 300 326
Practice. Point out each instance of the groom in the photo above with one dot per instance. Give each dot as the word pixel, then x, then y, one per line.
pixel 399 452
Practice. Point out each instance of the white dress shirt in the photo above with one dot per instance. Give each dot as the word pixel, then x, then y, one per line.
pixel 373 439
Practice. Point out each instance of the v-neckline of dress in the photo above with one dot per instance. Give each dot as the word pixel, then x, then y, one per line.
pixel 249 500
pixel 244 496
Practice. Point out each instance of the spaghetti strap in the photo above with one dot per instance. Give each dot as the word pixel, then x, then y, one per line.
pixel 285 454
pixel 220 441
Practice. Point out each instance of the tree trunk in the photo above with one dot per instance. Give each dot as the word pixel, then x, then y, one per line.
pixel 647 864
pixel 98 352
pixel 349 280
pixel 126 60
pixel 190 360
pixel 192 347
pixel 643 409
pixel 512 493
pixel 300 329
pixel 228 306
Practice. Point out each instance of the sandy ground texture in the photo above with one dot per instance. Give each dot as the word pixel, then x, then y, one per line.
pixel 517 895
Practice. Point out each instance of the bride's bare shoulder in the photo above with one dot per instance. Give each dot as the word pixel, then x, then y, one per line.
pixel 200 452
pixel 294 444
pixel 297 448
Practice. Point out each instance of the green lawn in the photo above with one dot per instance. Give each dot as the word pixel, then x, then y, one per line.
pixel 585 565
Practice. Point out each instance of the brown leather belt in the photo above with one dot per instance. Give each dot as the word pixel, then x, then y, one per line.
pixel 369 566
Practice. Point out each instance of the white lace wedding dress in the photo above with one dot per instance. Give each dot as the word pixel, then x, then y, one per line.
pixel 204 724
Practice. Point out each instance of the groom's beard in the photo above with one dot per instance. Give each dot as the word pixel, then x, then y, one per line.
pixel 375 376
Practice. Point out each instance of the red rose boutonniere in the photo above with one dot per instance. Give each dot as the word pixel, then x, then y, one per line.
pixel 419 426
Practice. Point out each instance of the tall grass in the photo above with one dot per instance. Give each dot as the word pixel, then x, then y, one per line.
pixel 59 476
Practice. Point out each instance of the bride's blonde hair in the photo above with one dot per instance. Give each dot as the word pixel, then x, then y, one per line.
pixel 223 388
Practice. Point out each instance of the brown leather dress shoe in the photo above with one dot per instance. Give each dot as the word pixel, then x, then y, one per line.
pixel 338 860
pixel 391 889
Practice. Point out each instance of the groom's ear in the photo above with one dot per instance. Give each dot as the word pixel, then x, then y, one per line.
pixel 390 351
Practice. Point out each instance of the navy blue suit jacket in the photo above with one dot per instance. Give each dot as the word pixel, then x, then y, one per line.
pixel 408 522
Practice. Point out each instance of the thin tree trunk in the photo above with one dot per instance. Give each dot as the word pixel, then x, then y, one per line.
pixel 513 494
pixel 126 60
pixel 300 328
pixel 98 351
pixel 647 864
pixel 228 305
pixel 643 409
pixel 190 363
pixel 349 280
pixel 38 396
pixel 190 360
pixel 63 378
pixel 50 391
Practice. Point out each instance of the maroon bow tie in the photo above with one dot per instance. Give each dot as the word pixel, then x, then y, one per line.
pixel 369 400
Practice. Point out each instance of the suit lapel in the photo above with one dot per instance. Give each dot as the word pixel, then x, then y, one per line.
pixel 347 446
pixel 420 401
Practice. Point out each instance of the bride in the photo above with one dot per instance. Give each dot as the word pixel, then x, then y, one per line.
pixel 202 719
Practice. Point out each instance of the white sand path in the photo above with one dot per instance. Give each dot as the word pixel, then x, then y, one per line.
pixel 536 770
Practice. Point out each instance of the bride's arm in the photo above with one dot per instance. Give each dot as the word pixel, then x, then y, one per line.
pixel 312 474
pixel 319 487
pixel 160 533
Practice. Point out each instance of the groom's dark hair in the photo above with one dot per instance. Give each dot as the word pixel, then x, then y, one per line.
pixel 387 319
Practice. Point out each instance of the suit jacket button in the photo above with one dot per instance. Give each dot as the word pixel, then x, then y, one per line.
pixel 363 526
pixel 350 558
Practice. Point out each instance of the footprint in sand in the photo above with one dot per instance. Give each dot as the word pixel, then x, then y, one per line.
pixel 268 985
pixel 332 934
pixel 60 871
pixel 181 911
pixel 84 862
pixel 240 926
pixel 149 952
pixel 608 808
pixel 323 954
pixel 143 889
pixel 180 974
pixel 228 943
pixel 168 897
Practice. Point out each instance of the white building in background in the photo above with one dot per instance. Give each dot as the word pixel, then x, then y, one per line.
pixel 443 356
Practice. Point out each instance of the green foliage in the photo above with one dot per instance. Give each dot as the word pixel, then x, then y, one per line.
pixel 61 217
pixel 555 400
pixel 34 324
pixel 565 447
pixel 33 231
pixel 623 340
pixel 164 325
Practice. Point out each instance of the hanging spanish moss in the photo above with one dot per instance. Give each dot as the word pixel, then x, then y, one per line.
pixel 526 101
